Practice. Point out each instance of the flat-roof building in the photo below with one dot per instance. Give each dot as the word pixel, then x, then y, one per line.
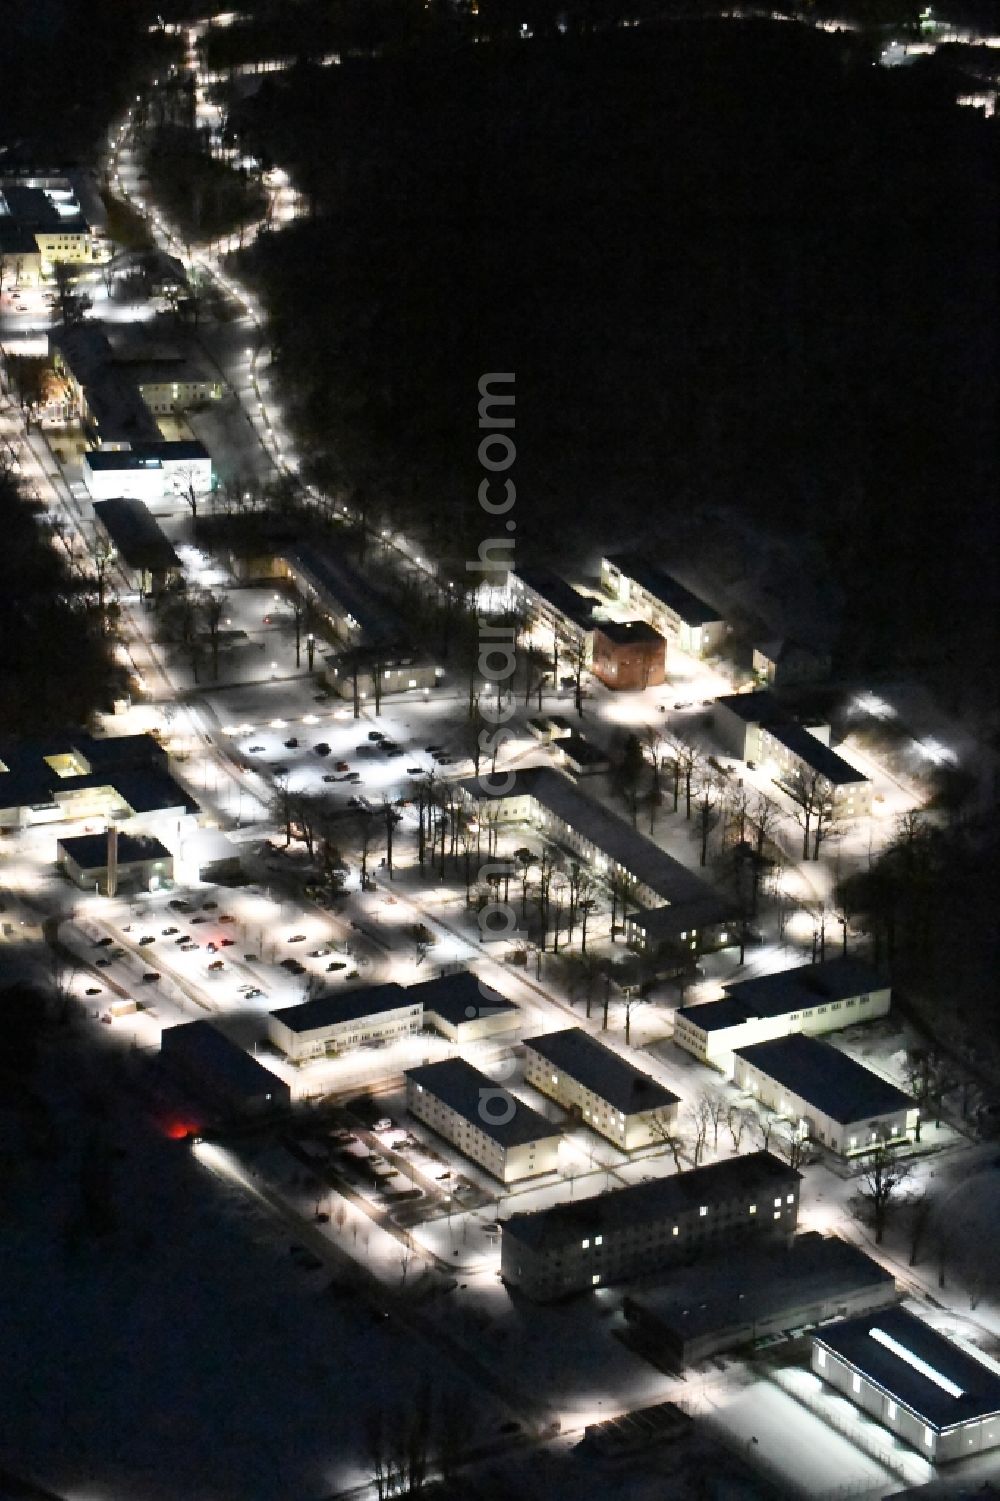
pixel 202 1056
pixel 550 800
pixel 924 1388
pixel 599 1087
pixel 678 615
pixel 463 1009
pixel 116 861
pixel 827 1096
pixel 342 1020
pixel 124 779
pixel 629 655
pixel 754 1292
pixel 148 471
pixel 757 729
pixel 483 1120
pixel 811 998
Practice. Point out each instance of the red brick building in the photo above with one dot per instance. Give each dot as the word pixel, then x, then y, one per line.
pixel 629 654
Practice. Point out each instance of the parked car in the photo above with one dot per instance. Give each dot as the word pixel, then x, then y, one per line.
pixel 375 735
pixel 255 750
pixel 336 964
pixel 226 943
pixel 169 932
pixel 331 777
pixel 322 749
pixel 318 953
pixel 292 743
pixel 227 917
pixel 343 766
pixel 150 977
pixel 146 939
pixel 103 943
pixel 200 918
pixel 297 938
pixel 216 965
pixel 293 966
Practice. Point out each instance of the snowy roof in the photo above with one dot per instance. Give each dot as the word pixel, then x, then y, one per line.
pixel 789 990
pixel 598 1068
pixel 643 1203
pixel 822 1076
pixel 938 1381
pixel 476 1098
pixel 340 1006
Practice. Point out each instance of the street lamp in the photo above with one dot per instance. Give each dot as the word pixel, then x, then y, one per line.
pixel 310 648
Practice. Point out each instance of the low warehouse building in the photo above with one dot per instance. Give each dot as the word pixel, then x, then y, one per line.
pixel 146 557
pixel 203 1057
pixel 811 998
pixel 634 1231
pixel 827 1095
pixel 754 1292
pixel 463 1009
pixel 486 1122
pixel 604 1090
pixel 114 864
pixel 340 1021
pixel 925 1389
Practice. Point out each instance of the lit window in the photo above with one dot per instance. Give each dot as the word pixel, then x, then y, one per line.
pixel 703 1210
pixel 929 1437
pixel 585 1244
pixel 790 1199
pixel 595 1279
pixel 598 1240
pixel 777 1214
pixel 555 1078
pixel 753 1208
pixel 854 1141
pixel 821 1359
pixel 890 1409
pixel 777 1203
pixel 677 1230
pixel 855 1383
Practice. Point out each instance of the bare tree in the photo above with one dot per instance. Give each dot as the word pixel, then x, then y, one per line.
pixel 699 1118
pixel 807 790
pixel 738 1122
pixel 671 1138
pixel 706 805
pixel 882 1175
pixel 715 1107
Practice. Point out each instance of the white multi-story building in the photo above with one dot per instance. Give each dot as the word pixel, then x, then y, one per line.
pixel 601 1088
pixel 675 612
pixel 825 1095
pixel 484 1121
pixel 811 998
pixel 937 1395
pixel 550 602
pixel 585 1243
pixel 337 1022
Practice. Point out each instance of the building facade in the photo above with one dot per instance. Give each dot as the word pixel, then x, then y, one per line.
pixel 200 1055
pixel 677 614
pixel 825 1096
pixel 115 862
pixel 932 1393
pixel 629 655
pixel 811 998
pixel 463 1009
pixel 600 1088
pixel 338 1022
pixel 484 1121
pixel 632 1232
pixel 550 602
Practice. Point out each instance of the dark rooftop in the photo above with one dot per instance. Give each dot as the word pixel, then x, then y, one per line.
pixel 460 1086
pixel 797 989
pixel 460 997
pixel 90 851
pixel 136 535
pixel 815 754
pixel 560 595
pixel 754 708
pixel 213 1053
pixel 625 632
pixel 824 1077
pixel 598 1068
pixel 938 1381
pixel 652 578
pixel 641 1203
pixel 350 591
pixel 344 1006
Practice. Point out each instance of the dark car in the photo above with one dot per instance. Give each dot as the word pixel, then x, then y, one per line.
pixel 169 932
pixel 293 966
pixel 182 939
pixel 180 904
pixel 255 750
pixel 430 749
pixel 103 943
pixel 414 771
pixel 293 743
pixel 322 749
pixel 216 965
pixel 331 776
pixel 343 766
pixel 279 771
pixel 150 977
pixel 335 964
pixel 200 918
pixel 209 906
pixel 226 943
pixel 227 917
pixel 103 963
pixel 297 938
pixel 93 990
pixel 375 735
pixel 146 939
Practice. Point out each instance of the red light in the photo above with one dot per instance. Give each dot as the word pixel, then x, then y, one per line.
pixel 178 1130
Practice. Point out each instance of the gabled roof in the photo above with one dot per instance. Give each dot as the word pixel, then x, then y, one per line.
pixel 466 1090
pixel 789 990
pixel 136 534
pixel 563 598
pixel 826 1079
pixel 344 1006
pixel 610 1076
pixel 458 998
pixel 664 587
